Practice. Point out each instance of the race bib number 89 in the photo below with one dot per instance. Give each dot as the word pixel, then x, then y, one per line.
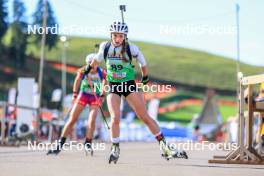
pixel 116 67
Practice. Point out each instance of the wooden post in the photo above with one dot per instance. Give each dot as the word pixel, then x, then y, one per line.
pixel 250 117
pixel 241 122
pixel 3 119
pixel 245 153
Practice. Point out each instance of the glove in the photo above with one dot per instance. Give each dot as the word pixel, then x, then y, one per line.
pixel 145 80
pixel 102 97
pixel 87 69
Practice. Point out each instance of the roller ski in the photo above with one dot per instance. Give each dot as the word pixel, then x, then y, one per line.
pixel 114 155
pixel 88 149
pixel 54 151
pixel 58 148
pixel 170 153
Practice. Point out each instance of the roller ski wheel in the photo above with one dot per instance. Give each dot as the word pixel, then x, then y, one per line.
pixel 113 158
pixel 89 152
pixel 176 154
pixel 167 157
pixel 54 152
pixel 114 155
pixel 181 154
pixel 170 153
pixel 88 149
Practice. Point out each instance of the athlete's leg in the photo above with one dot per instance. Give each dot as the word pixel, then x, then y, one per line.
pixel 113 102
pixel 136 101
pixel 74 114
pixel 90 129
pixel 91 122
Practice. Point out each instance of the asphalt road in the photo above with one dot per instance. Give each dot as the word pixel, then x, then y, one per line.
pixel 135 159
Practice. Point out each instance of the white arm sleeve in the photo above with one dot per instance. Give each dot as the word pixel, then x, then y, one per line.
pixel 100 55
pixel 136 53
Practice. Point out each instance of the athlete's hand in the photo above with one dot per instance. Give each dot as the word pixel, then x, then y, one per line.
pixel 145 80
pixel 74 96
pixel 102 97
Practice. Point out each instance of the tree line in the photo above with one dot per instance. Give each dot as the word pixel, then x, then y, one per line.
pixel 14 22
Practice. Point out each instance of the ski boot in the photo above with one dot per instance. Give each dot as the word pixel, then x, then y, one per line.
pixel 88 148
pixel 115 152
pixel 169 152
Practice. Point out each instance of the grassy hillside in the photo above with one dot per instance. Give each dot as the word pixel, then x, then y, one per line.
pixel 168 63
pixel 179 65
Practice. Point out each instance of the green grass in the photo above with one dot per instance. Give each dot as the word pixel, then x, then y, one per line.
pixel 227 111
pixel 179 65
pixel 184 115
pixel 179 96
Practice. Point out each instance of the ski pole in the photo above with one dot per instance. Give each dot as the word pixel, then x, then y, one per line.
pixel 98 103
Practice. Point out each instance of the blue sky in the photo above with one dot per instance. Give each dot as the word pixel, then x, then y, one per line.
pixel 207 25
